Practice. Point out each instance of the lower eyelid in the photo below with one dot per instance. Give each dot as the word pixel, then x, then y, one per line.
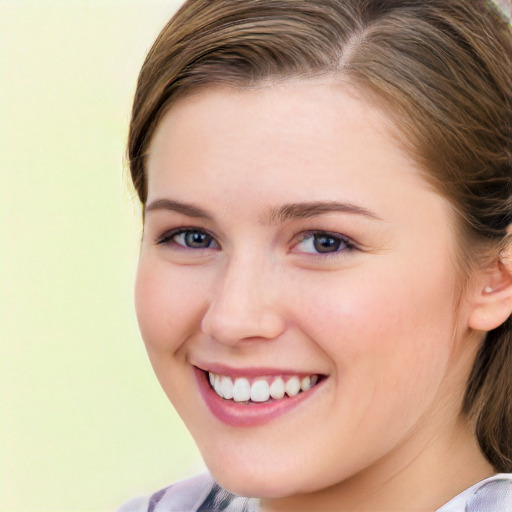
pixel 167 239
pixel 347 245
pixel 343 239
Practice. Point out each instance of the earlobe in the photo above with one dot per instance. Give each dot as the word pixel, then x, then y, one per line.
pixel 492 303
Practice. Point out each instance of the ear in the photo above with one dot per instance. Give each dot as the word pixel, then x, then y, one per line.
pixel 492 300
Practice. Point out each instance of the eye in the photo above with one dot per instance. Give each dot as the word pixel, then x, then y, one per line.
pixel 323 243
pixel 189 239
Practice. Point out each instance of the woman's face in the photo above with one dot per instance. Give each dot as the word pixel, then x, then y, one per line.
pixel 287 237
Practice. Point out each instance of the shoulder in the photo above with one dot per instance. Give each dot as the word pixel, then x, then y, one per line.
pixel 492 495
pixel 202 493
pixel 198 493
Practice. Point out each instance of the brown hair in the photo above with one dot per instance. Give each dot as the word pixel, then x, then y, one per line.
pixel 441 69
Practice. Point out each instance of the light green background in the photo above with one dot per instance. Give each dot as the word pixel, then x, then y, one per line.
pixel 84 424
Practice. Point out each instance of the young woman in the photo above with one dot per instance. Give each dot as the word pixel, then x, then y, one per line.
pixel 325 282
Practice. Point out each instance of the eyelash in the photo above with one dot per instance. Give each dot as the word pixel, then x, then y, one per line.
pixel 349 246
pixel 167 238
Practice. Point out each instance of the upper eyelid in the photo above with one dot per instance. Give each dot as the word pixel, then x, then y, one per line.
pixel 351 246
pixel 169 233
pixel 340 236
pixel 297 238
pixel 324 232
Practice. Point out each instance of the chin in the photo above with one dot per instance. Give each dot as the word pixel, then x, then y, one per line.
pixel 254 482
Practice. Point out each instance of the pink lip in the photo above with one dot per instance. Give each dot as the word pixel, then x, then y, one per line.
pixel 220 369
pixel 244 415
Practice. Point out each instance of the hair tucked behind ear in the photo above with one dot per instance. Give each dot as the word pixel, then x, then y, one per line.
pixel 489 403
pixel 488 396
pixel 442 70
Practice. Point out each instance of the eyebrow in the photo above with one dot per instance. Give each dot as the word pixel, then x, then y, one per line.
pixel 311 209
pixel 286 212
pixel 177 206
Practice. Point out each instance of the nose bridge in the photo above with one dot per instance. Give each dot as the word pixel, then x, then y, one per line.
pixel 243 305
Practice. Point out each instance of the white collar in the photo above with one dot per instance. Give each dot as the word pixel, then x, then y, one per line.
pixel 467 500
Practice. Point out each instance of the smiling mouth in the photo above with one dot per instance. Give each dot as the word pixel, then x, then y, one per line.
pixel 260 390
pixel 256 396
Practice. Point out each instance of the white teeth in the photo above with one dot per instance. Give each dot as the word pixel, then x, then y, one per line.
pixel 277 389
pixel 261 389
pixel 292 386
pixel 241 390
pixel 216 385
pixel 226 386
pixel 305 383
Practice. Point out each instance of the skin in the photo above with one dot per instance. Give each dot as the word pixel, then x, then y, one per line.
pixel 378 319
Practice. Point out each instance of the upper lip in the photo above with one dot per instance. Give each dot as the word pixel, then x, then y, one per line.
pixel 251 371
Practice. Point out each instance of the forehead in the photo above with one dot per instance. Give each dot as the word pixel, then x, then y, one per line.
pixel 291 110
pixel 306 137
pixel 319 98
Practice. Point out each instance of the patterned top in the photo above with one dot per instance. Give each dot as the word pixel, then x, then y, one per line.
pixel 202 494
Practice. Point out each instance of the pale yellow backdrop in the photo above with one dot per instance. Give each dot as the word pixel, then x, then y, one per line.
pixel 84 424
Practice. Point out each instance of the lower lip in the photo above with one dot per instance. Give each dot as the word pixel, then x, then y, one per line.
pixel 247 415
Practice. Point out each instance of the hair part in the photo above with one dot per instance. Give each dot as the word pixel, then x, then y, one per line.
pixel 441 69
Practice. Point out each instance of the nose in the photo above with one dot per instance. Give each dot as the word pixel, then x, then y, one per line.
pixel 244 305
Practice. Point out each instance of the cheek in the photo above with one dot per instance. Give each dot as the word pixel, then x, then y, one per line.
pixel 385 331
pixel 168 303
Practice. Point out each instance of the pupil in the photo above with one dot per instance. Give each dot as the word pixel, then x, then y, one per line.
pixel 326 244
pixel 195 239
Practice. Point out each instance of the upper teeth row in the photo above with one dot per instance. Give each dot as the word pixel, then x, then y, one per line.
pixel 260 390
